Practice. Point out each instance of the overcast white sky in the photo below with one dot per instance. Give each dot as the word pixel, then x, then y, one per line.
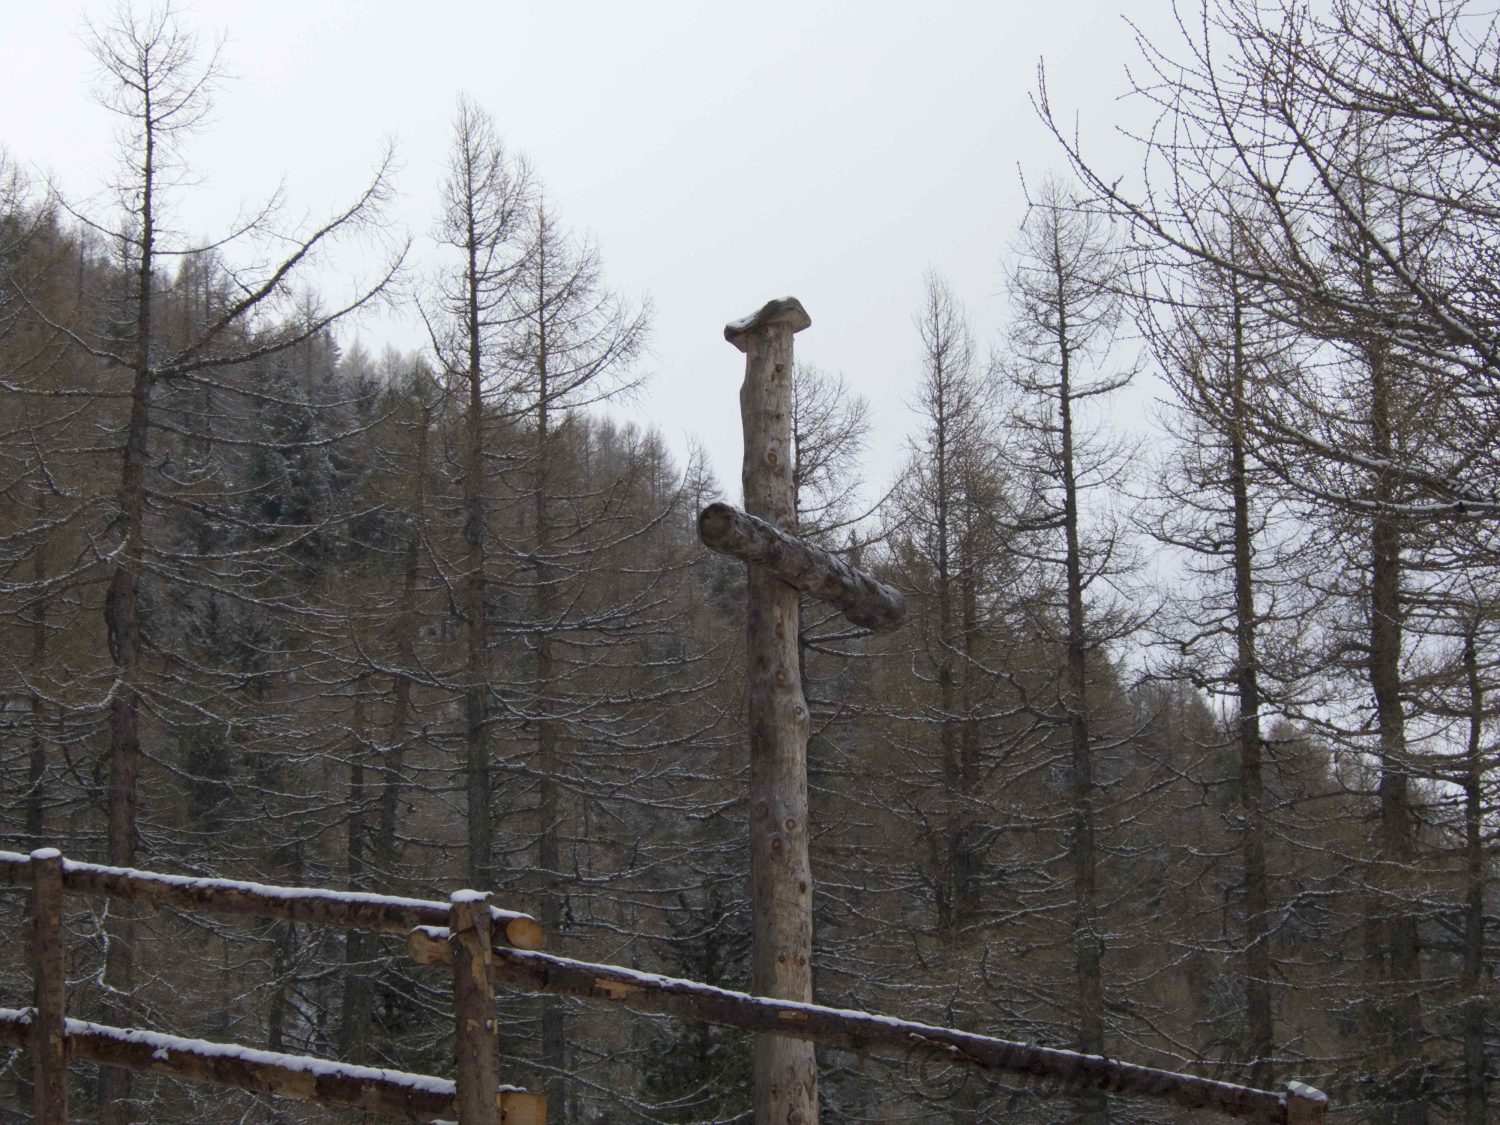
pixel 721 154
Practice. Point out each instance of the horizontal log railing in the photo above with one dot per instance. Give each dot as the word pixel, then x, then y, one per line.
pixel 345 910
pixel 516 961
pixel 53 1040
pixel 1068 1072
pixel 335 1085
pixel 862 599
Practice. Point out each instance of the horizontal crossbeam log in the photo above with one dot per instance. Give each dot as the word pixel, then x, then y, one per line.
pixel 352 910
pixel 864 600
pixel 394 1093
pixel 1055 1072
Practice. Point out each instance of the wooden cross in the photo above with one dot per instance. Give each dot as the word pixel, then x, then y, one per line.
pixel 780 566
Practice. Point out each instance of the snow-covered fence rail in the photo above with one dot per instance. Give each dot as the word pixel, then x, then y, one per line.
pixel 498 946
pixel 1064 1072
pixel 476 1098
pixel 335 1085
pixel 346 910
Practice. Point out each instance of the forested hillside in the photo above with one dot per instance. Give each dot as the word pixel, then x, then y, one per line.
pixel 1185 754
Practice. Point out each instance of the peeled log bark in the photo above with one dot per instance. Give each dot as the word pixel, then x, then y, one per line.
pixel 864 601
pixel 1061 1073
pixel 786 1070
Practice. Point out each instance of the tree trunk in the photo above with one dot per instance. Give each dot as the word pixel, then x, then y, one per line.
pixel 36 769
pixel 1087 941
pixel 549 687
pixel 354 1016
pixel 122 624
pixel 1471 977
pixel 948 721
pixel 283 953
pixel 1398 822
pixel 384 846
pixel 786 1076
pixel 476 604
pixel 965 878
pixel 1259 1022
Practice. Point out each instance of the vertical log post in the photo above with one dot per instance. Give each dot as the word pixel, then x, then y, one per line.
pixel 786 1076
pixel 49 1053
pixel 476 1041
pixel 1305 1105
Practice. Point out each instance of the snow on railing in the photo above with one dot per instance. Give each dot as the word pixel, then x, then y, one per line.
pixel 476 1098
pixel 1065 1072
pixel 512 941
pixel 350 910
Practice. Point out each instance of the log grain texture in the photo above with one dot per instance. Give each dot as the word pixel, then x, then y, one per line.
pixel 786 1072
pixel 861 598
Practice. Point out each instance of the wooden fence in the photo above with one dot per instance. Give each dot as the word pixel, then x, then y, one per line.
pixel 484 946
pixel 476 927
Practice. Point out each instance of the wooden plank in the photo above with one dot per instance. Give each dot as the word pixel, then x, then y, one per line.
pixel 475 1041
pixel 861 598
pixel 1067 1072
pixel 353 910
pixel 49 1059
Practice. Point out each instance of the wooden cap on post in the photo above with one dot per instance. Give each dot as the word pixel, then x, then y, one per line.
pixel 786 310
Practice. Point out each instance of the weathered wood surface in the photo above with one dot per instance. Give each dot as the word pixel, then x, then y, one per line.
pixel 395 1093
pixel 1056 1072
pixel 786 1072
pixel 49 1058
pixel 352 910
pixel 866 602
pixel 785 314
pixel 476 1043
pixel 1305 1105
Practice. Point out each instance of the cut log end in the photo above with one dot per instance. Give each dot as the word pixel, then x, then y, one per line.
pixel 525 933
pixel 786 310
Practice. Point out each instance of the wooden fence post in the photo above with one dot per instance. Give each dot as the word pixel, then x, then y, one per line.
pixel 476 1040
pixel 786 1073
pixel 1305 1105
pixel 49 1051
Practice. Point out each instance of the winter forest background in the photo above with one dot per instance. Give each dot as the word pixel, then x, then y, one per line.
pixel 1186 753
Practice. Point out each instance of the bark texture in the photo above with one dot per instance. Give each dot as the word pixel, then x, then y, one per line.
pixel 786 1075
pixel 865 601
pixel 1259 1018
pixel 476 1043
pixel 1088 942
pixel 49 1059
